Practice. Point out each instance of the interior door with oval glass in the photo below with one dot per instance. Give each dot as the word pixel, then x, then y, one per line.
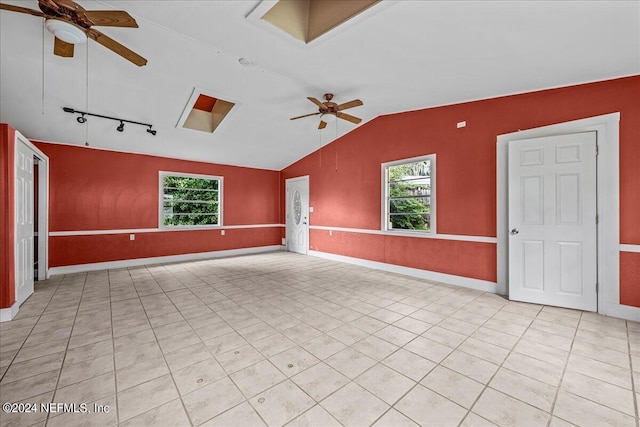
pixel 298 215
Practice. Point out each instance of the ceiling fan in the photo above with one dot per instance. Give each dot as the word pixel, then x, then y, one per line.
pixel 70 23
pixel 329 110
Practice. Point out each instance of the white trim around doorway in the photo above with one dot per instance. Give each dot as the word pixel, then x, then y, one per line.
pixel 43 205
pixel 608 187
pixel 307 211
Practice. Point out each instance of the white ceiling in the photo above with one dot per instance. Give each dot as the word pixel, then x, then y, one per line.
pixel 402 56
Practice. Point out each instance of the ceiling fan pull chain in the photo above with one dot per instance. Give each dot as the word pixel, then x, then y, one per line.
pixel 86 92
pixel 43 80
pixel 320 149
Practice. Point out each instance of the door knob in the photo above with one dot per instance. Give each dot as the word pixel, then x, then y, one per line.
pixel 515 231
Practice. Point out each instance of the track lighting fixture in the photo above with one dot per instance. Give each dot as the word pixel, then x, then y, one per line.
pixel 82 119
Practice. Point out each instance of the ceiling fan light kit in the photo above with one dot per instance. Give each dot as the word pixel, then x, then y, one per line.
pixel 65 31
pixel 328 117
pixel 72 24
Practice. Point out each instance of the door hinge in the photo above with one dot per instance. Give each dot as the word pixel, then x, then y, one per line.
pixel 597 218
pixel 597 149
pixel 597 287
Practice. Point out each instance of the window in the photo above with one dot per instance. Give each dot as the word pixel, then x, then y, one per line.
pixel 409 194
pixel 190 200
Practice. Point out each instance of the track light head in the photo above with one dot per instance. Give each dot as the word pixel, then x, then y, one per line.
pixel 81 119
pixel 120 128
pixel 151 131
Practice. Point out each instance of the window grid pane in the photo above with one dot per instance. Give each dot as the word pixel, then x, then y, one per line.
pixel 408 196
pixel 190 201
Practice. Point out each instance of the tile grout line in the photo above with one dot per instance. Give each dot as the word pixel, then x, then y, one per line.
pixel 267 359
pixel 113 347
pixel 391 406
pixel 300 346
pixel 500 366
pixel 162 352
pixel 213 356
pixel 113 338
pixel 444 358
pixel 164 292
pixel 250 298
pixel 55 389
pixel 604 363
pixel 564 370
pixel 316 403
pixel 437 364
pixel 27 336
pixel 633 383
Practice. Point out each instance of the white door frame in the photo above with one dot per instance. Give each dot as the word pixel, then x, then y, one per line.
pixel 43 205
pixel 305 212
pixel 608 205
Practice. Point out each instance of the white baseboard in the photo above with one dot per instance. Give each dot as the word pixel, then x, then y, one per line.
pixel 613 310
pixel 626 312
pixel 81 268
pixel 7 314
pixel 449 279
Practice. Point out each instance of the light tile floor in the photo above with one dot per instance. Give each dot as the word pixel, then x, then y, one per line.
pixel 282 339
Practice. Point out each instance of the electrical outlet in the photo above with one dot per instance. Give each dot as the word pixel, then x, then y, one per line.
pixel 330 232
pixel 461 124
pixel 132 237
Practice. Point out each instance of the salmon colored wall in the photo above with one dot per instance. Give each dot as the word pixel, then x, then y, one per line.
pixel 104 190
pixel 630 277
pixel 447 256
pixel 344 176
pixel 7 216
pixel 74 250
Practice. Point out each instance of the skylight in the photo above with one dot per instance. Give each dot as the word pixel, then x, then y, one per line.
pixel 307 20
pixel 204 112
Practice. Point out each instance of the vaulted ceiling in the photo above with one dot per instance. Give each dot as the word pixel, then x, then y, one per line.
pixel 396 56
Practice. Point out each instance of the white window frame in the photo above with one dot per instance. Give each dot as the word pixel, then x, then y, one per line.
pixel 385 195
pixel 161 225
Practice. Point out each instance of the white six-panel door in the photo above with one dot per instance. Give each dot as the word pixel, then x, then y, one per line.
pixel 24 222
pixel 552 221
pixel 297 215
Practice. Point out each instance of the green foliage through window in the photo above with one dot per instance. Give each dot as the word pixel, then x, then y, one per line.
pixel 190 201
pixel 409 196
